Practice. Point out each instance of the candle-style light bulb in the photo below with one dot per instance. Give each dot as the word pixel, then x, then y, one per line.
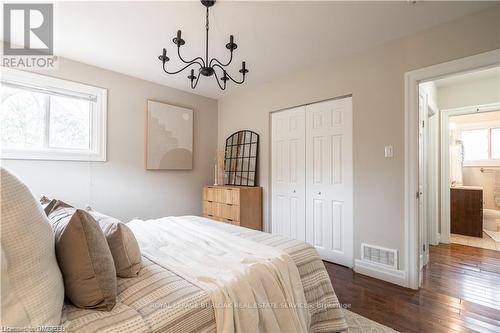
pixel 178 34
pixel 164 55
pixel 231 39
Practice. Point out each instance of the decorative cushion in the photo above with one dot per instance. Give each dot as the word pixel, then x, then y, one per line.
pixel 30 269
pixel 84 258
pixel 122 243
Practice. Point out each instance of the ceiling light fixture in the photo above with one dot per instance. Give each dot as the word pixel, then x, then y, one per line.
pixel 206 67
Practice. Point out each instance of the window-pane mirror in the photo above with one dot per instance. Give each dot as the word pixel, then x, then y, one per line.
pixel 241 158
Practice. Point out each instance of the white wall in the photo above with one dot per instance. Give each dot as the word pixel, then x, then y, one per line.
pixel 375 78
pixel 121 186
pixel 484 91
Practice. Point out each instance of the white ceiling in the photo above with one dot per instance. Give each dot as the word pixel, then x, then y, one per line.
pixel 274 38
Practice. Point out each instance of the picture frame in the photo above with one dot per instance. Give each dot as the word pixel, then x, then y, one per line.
pixel 169 137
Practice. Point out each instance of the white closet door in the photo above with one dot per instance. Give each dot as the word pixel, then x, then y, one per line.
pixel 288 173
pixel 329 179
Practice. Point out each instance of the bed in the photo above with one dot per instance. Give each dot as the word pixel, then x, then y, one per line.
pixel 159 300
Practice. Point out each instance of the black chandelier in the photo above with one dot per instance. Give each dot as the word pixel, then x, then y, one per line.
pixel 206 67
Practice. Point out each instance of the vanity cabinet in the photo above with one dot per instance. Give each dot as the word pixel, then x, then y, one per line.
pixel 466 210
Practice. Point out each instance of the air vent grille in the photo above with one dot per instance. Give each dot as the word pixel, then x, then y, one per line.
pixel 379 255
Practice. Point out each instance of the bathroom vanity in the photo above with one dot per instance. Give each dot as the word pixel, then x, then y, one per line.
pixel 466 210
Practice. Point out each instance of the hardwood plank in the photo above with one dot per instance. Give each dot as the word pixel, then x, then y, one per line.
pixel 460 293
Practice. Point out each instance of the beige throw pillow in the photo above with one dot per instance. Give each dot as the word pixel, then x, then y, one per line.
pixel 121 242
pixel 84 258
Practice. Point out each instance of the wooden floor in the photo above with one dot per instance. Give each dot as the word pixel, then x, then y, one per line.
pixel 460 293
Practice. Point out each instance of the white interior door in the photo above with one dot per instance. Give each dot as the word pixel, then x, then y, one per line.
pixel 422 180
pixel 288 173
pixel 329 210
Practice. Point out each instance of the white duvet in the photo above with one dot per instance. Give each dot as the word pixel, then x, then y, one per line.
pixel 254 287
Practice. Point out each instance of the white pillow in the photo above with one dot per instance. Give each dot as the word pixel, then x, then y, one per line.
pixel 27 244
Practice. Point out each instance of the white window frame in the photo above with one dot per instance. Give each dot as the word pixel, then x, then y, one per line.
pixel 490 162
pixel 56 86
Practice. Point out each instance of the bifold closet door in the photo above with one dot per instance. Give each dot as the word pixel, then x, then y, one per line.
pixel 329 211
pixel 288 173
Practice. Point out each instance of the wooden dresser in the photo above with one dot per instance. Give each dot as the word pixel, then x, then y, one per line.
pixel 234 204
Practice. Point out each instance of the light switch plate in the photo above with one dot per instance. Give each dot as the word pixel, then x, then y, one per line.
pixel 388 151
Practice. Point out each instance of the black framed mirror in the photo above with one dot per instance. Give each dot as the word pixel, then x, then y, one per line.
pixel 240 158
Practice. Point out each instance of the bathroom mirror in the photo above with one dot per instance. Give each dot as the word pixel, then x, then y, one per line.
pixel 240 158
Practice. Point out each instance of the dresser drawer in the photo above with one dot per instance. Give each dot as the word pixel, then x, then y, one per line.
pixel 229 196
pixel 220 219
pixel 222 195
pixel 211 208
pixel 216 209
pixel 210 193
pixel 230 212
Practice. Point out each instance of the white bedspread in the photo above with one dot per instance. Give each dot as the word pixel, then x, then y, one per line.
pixel 254 288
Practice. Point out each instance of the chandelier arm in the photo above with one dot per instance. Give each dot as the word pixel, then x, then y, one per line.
pixel 229 76
pixel 183 68
pixel 190 61
pixel 196 82
pixel 221 64
pixel 218 83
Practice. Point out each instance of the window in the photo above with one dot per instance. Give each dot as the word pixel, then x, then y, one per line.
pixel 475 144
pixel 495 143
pixel 52 119
pixel 481 146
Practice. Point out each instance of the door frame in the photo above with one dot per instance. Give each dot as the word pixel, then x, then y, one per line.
pixel 411 123
pixel 445 159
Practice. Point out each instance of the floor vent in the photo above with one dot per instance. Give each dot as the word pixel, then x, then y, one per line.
pixel 379 255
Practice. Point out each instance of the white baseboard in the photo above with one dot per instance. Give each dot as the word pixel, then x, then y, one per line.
pixel 380 272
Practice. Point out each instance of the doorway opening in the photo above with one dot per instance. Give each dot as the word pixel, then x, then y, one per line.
pixel 459 163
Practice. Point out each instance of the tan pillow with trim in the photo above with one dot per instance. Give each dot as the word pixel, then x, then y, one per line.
pixel 84 258
pixel 122 243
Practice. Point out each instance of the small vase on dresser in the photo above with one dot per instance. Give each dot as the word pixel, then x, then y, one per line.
pixel 236 205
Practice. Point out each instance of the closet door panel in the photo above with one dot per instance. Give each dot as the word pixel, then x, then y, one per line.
pixel 329 179
pixel 288 168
